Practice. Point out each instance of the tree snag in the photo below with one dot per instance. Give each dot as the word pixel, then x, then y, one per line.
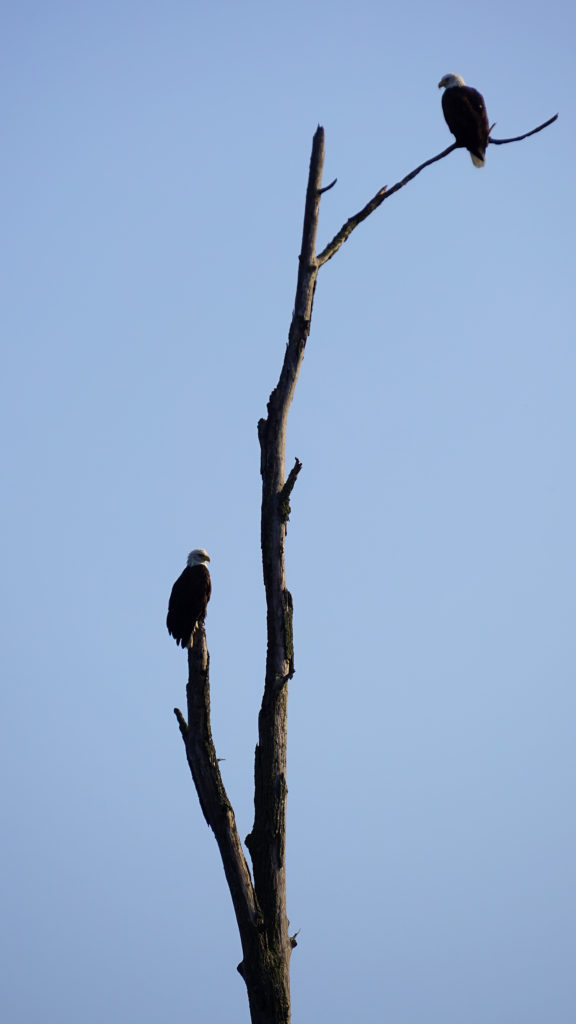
pixel 260 901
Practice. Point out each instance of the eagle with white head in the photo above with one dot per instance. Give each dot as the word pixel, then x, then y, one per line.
pixel 189 598
pixel 465 114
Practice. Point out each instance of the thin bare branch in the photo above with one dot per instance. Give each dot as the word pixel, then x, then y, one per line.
pixel 183 724
pixel 346 230
pixel 384 193
pixel 284 496
pixel 518 138
pixel 287 489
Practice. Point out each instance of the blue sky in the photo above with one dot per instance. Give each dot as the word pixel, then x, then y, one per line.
pixel 155 162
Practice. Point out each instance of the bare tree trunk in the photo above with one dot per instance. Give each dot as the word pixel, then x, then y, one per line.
pixel 260 905
pixel 267 841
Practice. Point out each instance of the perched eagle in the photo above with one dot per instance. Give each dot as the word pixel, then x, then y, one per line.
pixel 466 116
pixel 189 598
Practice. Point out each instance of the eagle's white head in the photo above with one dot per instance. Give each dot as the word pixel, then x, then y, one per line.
pixel 449 81
pixel 197 557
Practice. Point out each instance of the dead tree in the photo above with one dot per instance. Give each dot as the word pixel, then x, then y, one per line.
pixel 259 897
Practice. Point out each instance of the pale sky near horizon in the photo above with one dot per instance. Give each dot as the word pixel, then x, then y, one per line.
pixel 155 162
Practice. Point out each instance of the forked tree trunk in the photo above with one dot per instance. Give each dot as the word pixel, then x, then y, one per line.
pixel 260 904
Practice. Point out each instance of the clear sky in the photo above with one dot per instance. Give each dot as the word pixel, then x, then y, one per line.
pixel 154 166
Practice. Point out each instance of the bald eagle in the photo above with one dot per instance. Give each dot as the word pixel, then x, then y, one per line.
pixel 189 598
pixel 466 117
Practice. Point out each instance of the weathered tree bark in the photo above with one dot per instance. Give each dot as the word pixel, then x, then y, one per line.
pixel 260 902
pixel 257 967
pixel 260 905
pixel 267 841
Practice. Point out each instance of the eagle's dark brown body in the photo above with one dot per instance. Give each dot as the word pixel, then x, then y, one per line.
pixel 466 117
pixel 188 603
